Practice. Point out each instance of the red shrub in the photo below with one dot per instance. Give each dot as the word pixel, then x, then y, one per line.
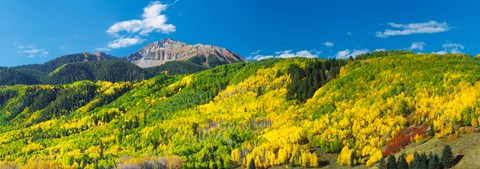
pixel 403 138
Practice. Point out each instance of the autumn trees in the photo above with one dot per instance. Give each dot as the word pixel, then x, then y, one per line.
pixel 267 113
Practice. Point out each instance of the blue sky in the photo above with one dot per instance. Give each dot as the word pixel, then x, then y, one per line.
pixel 36 31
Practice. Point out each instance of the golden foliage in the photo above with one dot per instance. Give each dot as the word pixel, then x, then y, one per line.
pixel 344 158
pixel 356 114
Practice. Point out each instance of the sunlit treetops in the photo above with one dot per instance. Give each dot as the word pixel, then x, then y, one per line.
pixel 263 113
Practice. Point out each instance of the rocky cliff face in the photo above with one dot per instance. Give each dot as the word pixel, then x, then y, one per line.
pixel 157 53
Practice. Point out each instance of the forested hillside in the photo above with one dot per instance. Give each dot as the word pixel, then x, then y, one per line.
pixel 66 59
pixel 176 67
pixel 36 73
pixel 110 70
pixel 97 66
pixel 263 113
pixel 12 77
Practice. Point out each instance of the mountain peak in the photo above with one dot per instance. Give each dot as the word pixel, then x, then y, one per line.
pixel 98 54
pixel 78 57
pixel 162 51
pixel 166 40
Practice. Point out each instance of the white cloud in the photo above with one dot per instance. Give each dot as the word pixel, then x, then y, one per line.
pixel 124 42
pixel 449 44
pixel 287 54
pixel 449 47
pixel 413 28
pixel 31 50
pixel 260 57
pixel 307 54
pixel 349 33
pixel 343 54
pixel 379 50
pixel 303 53
pixel 152 20
pixel 284 54
pixel 130 32
pixel 328 44
pixel 440 52
pixel 130 26
pixel 256 52
pixel 418 45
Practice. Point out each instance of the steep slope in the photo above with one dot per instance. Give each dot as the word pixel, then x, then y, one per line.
pixel 176 67
pixel 39 71
pixel 74 58
pixel 375 102
pixel 160 52
pixel 49 66
pixel 12 77
pixel 110 70
pixel 145 111
pixel 187 59
pixel 234 114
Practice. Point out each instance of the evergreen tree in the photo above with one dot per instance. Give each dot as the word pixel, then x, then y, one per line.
pixel 447 159
pixel 96 164
pixel 436 164
pixel 392 162
pixel 431 131
pixel 382 163
pixel 352 159
pixel 350 58
pixel 251 165
pixel 430 156
pixel 402 162
pixel 431 164
pixel 430 161
pixel 101 149
pixel 422 161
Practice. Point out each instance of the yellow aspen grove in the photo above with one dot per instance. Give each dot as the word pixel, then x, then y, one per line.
pixel 344 158
pixel 374 158
pixel 266 112
pixel 305 157
pixel 313 159
pixel 236 155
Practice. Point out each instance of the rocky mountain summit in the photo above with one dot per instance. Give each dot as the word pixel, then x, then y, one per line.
pixel 157 53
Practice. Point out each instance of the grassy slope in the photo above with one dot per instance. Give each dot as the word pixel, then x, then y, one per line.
pixel 465 145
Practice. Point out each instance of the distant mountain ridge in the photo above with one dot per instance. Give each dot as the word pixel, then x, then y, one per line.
pixel 155 56
pixel 106 70
pixel 160 52
pixel 66 59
